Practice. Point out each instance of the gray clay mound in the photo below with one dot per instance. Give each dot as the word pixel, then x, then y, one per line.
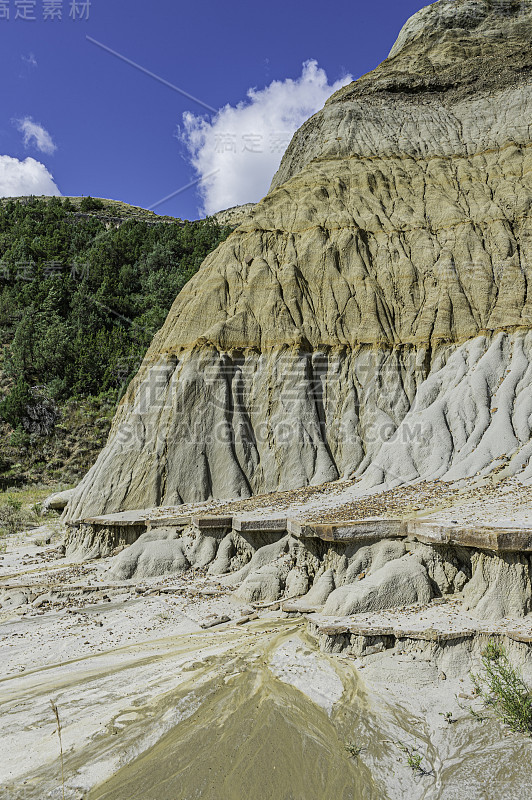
pixel 399 583
pixel 151 556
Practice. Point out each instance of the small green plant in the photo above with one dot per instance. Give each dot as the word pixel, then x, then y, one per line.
pixel 476 714
pixel 414 759
pixel 14 502
pixel 12 518
pixel 503 689
pixel 353 749
pixel 448 717
pixel 60 735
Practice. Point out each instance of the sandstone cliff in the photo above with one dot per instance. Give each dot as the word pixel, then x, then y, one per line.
pixel 371 316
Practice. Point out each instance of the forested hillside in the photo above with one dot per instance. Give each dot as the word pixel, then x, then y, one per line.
pixel 84 286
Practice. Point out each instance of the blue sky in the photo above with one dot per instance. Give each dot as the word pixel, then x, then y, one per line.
pixel 102 127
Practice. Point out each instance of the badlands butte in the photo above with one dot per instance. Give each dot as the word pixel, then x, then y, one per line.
pixel 371 316
pixel 366 327
pixel 314 508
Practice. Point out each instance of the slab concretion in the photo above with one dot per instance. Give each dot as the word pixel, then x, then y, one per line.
pixel 496 538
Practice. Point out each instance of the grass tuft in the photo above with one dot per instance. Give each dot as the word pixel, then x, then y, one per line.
pixel 353 749
pixel 503 689
pixel 414 759
pixel 12 518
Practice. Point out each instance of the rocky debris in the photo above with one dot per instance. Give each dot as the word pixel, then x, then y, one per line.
pixel 44 540
pixel 41 415
pixel 213 623
pixel 16 599
pixel 338 577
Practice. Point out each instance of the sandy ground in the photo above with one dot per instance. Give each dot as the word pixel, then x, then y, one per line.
pixel 155 707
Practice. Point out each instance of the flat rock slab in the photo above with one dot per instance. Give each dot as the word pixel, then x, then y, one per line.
pixel 498 538
pixel 482 537
pixel 373 529
pixel 439 622
pixel 214 622
pixel 276 525
pixel 122 518
pixel 170 522
pixel 208 523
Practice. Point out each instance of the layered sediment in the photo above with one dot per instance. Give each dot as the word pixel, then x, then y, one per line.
pixel 371 316
pixel 339 569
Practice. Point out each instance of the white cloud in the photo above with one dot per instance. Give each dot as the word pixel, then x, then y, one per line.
pixel 30 60
pixel 35 133
pixel 22 178
pixel 237 152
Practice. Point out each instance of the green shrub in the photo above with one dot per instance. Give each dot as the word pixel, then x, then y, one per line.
pixel 502 688
pixel 14 406
pixel 91 204
pixel 12 518
pixel 20 438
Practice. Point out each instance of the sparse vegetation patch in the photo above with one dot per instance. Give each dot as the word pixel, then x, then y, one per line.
pixel 504 690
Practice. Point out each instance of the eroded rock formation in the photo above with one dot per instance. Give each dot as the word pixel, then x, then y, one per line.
pixel 371 316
